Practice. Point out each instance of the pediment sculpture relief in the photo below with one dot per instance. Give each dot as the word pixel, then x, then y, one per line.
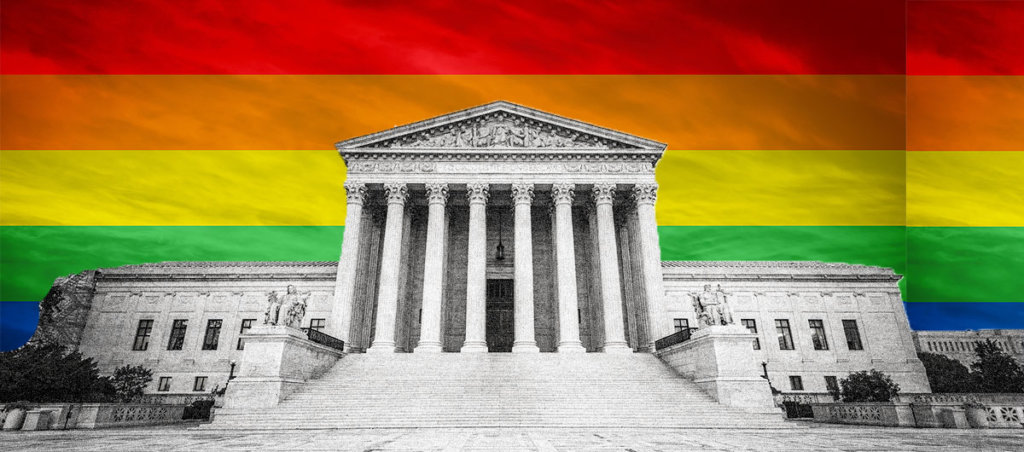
pixel 500 130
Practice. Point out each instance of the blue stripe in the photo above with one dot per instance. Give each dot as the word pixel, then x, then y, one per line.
pixel 18 320
pixel 965 316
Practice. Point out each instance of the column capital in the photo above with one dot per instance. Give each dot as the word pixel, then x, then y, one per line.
pixel 397 193
pixel 522 193
pixel 355 192
pixel 562 193
pixel 604 193
pixel 437 193
pixel 645 193
pixel 477 193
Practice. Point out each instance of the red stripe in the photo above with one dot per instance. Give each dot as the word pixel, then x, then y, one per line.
pixel 965 38
pixel 515 37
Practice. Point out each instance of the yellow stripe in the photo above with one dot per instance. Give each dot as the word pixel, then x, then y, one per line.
pixel 127 188
pixel 209 188
pixel 965 188
pixel 781 188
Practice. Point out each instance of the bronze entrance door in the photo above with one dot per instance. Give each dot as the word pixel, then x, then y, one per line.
pixel 500 315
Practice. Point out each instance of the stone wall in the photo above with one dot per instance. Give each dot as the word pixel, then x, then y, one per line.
pixel 799 292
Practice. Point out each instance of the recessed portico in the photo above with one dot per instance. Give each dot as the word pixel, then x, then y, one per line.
pixel 570 204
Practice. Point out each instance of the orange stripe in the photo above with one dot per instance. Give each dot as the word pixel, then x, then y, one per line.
pixel 965 113
pixel 824 112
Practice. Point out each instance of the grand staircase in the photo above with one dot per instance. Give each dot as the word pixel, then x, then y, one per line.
pixel 497 390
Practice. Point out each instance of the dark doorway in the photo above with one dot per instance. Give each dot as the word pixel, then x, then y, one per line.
pixel 500 315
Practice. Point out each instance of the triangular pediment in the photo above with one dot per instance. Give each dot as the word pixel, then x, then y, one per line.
pixel 500 125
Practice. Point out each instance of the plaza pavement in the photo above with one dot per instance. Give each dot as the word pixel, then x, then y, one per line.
pixel 802 437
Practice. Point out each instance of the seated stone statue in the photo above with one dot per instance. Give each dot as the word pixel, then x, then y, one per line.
pixel 712 307
pixel 296 307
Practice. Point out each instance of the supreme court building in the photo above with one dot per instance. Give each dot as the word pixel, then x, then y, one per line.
pixel 499 228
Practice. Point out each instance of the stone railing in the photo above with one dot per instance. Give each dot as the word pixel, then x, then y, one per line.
pixel 104 415
pixel 61 416
pixel 174 399
pixel 884 414
pixel 918 398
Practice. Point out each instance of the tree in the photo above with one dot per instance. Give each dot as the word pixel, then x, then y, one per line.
pixel 868 386
pixel 995 371
pixel 946 374
pixel 130 382
pixel 46 372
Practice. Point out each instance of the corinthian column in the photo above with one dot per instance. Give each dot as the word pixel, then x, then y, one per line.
pixel 430 326
pixel 611 287
pixel 568 316
pixel 476 271
pixel 650 260
pixel 390 263
pixel 522 197
pixel 345 283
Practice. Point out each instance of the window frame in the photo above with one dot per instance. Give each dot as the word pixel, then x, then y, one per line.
pixel 819 338
pixel 211 339
pixel 199 384
pixel 785 335
pixel 143 332
pixel 163 384
pixel 752 327
pixel 246 325
pixel 321 324
pixel 680 324
pixel 831 382
pixel 796 383
pixel 179 328
pixel 848 326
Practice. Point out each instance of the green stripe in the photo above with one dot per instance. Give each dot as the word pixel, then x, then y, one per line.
pixel 946 264
pixel 951 264
pixel 31 257
pixel 867 245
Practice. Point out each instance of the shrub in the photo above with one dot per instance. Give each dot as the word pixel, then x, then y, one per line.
pixel 946 374
pixel 995 371
pixel 130 381
pixel 46 372
pixel 868 386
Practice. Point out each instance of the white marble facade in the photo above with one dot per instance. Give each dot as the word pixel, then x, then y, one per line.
pixel 572 207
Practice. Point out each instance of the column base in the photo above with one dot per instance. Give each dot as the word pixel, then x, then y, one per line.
pixel 571 347
pixel 381 348
pixel 525 347
pixel 617 348
pixel 428 347
pixel 474 347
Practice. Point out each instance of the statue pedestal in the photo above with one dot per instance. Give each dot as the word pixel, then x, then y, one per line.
pixel 722 362
pixel 277 360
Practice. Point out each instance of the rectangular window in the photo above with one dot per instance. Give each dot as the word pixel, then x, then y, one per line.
pixel 831 384
pixel 751 325
pixel 246 325
pixel 681 324
pixel 320 324
pixel 200 384
pixel 165 384
pixel 785 335
pixel 177 339
pixel 142 335
pixel 212 337
pixel 796 383
pixel 852 335
pixel 818 337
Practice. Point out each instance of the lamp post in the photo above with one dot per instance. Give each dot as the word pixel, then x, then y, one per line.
pixel 231 375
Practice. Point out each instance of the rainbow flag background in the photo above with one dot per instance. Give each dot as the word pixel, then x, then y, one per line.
pixel 877 132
